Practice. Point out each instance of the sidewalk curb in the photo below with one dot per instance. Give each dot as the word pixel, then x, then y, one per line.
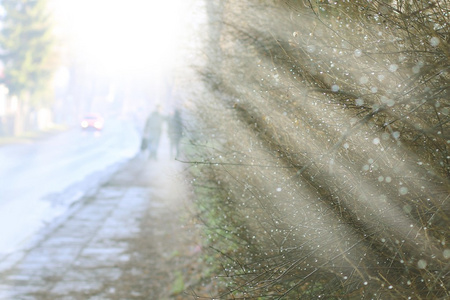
pixel 8 261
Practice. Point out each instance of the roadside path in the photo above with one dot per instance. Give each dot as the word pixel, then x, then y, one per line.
pixel 133 239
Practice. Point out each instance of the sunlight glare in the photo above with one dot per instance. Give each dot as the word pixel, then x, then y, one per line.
pixel 122 36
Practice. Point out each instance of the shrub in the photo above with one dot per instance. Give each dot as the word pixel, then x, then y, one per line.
pixel 327 131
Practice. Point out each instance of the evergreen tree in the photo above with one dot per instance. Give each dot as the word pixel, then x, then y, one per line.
pixel 27 47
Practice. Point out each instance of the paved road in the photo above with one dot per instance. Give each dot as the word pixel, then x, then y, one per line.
pixel 40 179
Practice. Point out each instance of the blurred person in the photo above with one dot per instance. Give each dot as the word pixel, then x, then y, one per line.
pixel 152 133
pixel 175 129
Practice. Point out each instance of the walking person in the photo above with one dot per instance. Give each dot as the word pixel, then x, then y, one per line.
pixel 175 130
pixel 152 132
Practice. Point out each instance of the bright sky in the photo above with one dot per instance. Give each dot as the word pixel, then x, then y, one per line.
pixel 122 34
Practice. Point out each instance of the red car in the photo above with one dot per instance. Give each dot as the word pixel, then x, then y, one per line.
pixel 92 121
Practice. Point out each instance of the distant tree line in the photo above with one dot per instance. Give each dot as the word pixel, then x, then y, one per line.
pixel 321 160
